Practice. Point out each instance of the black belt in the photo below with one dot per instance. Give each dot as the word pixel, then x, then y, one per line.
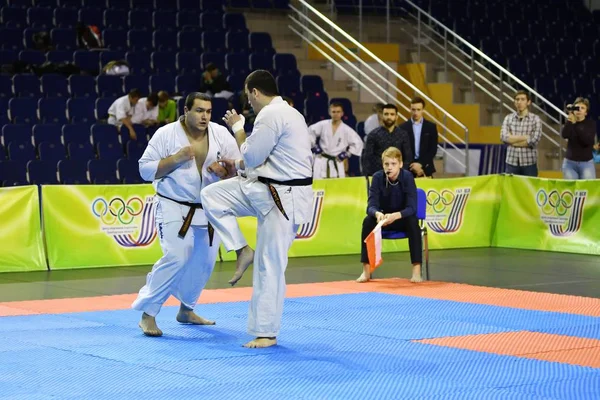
pixel 275 195
pixel 334 159
pixel 187 221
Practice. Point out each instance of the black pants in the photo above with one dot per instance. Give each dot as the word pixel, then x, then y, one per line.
pixel 409 225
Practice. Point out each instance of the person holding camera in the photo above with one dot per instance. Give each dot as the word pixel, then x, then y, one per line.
pixel 580 133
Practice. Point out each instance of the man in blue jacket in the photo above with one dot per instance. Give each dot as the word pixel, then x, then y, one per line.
pixel 393 199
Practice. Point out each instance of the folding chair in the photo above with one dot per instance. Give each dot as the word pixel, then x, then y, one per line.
pixel 421 215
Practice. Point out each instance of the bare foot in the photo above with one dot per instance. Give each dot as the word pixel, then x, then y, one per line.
pixel 366 274
pixel 149 327
pixel 416 274
pixel 187 316
pixel 261 342
pixel 245 257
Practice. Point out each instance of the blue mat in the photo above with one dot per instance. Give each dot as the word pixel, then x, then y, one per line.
pixel 356 346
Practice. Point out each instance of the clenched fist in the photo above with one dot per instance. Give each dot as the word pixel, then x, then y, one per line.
pixel 218 169
pixel 185 154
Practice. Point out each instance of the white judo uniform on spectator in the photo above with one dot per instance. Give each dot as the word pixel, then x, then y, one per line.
pixel 142 113
pixel 278 149
pixel 187 262
pixel 333 148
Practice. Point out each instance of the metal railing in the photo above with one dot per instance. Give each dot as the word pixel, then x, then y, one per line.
pixel 454 53
pixel 312 26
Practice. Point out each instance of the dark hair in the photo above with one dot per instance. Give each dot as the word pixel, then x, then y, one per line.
pixel 519 92
pixel 377 108
pixel 153 98
pixel 390 106
pixel 262 81
pixel 417 100
pixel 287 99
pixel 163 96
pixel 211 67
pixel 336 104
pixel 189 100
pixel 135 94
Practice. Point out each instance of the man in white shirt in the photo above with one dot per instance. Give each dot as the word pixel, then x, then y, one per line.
pixel 333 142
pixel 181 159
pixel 275 185
pixel 374 120
pixel 145 111
pixel 121 111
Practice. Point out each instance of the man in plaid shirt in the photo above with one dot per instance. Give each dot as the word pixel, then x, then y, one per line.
pixel 521 131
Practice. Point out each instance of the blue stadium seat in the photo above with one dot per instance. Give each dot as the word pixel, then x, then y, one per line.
pixel 261 61
pixel 3 154
pixel 54 85
pixel 17 16
pixel 11 38
pixel 16 133
pixel 81 110
pixel 76 133
pixel 115 39
pixel 65 17
pixel 237 82
pixel 140 131
pixel 94 3
pixel 82 86
pixel 135 150
pixel 188 5
pixel 12 172
pixel 165 40
pixel 219 107
pixel 188 62
pixel 188 41
pixel 164 19
pixel 187 84
pixel 140 82
pixel 64 38
pixel 49 133
pixel 281 4
pixel 110 86
pixel 109 151
pixel 33 57
pixel 102 172
pixel 53 152
pixel 102 106
pixel 105 133
pixel 139 62
pixel 128 171
pixel 262 4
pixel 140 19
pixel 52 110
pixel 162 82
pixel 21 152
pixel 213 41
pixel 26 85
pixel 288 86
pixel 216 58
pixel 8 56
pixel 285 64
pixel 211 21
pixel 111 55
pixel 237 42
pixel 187 19
pixel 22 110
pixel 234 22
pixel 311 84
pixel 92 16
pixel 260 42
pixel 116 19
pixel 316 107
pixel 118 4
pixel 73 4
pixel 239 3
pixel 142 4
pixel 237 63
pixel 73 172
pixel 163 63
pixel 81 151
pixel 5 86
pixel 40 17
pixel 139 40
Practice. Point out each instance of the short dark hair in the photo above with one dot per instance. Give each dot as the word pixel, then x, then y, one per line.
pixel 523 92
pixel 377 108
pixel 211 67
pixel 262 81
pixel 390 106
pixel 336 104
pixel 417 100
pixel 189 100
pixel 153 98
pixel 135 94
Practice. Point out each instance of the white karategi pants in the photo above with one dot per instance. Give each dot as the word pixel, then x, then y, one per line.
pixel 320 168
pixel 182 271
pixel 223 202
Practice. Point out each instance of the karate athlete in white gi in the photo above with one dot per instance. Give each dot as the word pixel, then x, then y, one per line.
pixel 275 185
pixel 332 142
pixel 181 159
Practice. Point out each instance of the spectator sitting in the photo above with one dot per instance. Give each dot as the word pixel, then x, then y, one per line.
pixel 167 108
pixel 145 111
pixel 121 111
pixel 214 83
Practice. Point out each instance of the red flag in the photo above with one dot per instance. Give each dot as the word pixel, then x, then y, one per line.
pixel 373 242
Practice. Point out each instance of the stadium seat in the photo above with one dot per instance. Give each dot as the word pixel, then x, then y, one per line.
pixel 72 172
pixel 42 172
pixel 53 152
pixel 102 172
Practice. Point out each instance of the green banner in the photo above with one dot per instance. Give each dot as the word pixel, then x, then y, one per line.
pixel 21 241
pixel 549 214
pixel 99 225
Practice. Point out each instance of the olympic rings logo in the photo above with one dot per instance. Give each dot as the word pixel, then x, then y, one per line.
pixel 554 201
pixel 439 201
pixel 117 210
